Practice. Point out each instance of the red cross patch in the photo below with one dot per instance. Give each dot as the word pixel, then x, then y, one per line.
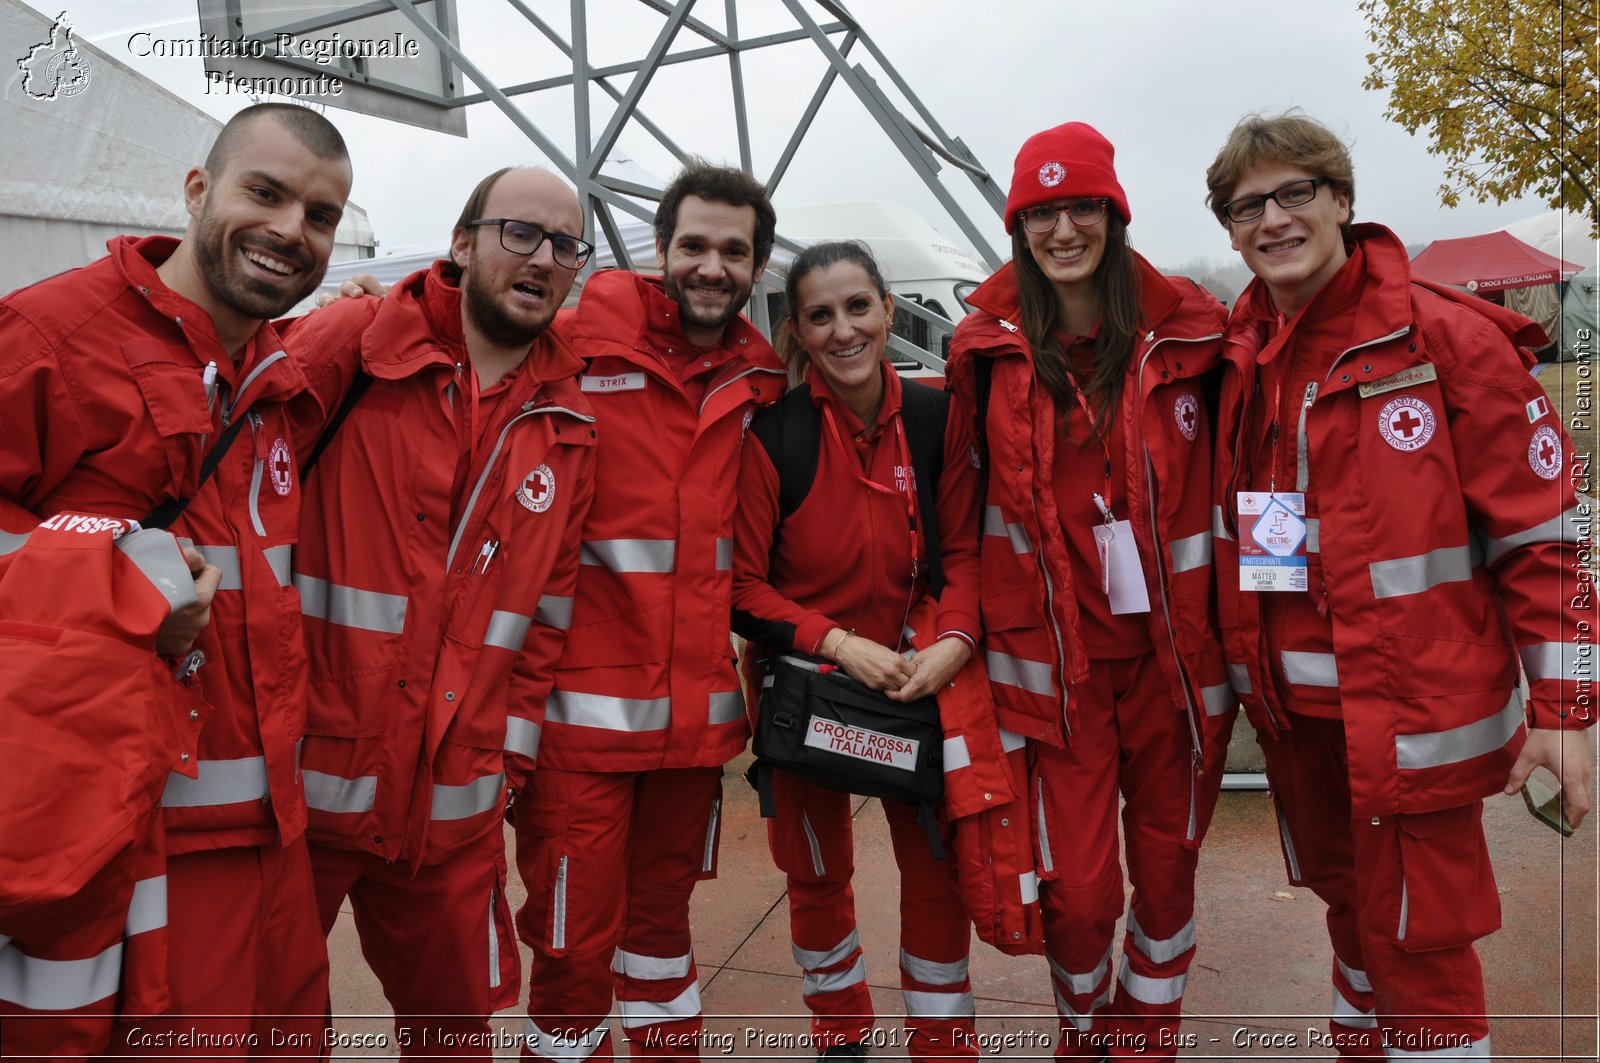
pixel 280 467
pixel 1186 411
pixel 1052 174
pixel 538 490
pixel 1544 452
pixel 1406 423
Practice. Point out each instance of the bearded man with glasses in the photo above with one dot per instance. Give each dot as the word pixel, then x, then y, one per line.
pixel 1396 539
pixel 437 562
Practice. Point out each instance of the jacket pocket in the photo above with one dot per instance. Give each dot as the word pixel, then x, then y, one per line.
pixel 1447 891
pixel 170 381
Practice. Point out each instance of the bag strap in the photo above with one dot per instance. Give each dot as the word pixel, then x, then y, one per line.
pixel 358 388
pixel 928 816
pixel 170 510
pixel 926 413
pixel 983 382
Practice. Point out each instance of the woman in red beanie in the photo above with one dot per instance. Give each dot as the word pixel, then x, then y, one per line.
pixel 1084 369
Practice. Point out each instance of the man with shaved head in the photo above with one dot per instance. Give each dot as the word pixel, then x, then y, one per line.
pixel 119 381
pixel 438 555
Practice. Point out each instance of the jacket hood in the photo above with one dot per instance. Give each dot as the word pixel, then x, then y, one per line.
pixel 419 324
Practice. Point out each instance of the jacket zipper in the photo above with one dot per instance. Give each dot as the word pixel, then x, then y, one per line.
pixel 488 467
pixel 1195 747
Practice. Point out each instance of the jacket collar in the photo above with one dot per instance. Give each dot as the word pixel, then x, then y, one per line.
pixel 823 395
pixel 621 313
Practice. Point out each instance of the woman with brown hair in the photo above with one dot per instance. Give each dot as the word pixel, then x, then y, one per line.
pixel 1083 368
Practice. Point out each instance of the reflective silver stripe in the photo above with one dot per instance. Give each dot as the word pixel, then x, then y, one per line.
pixel 1456 1050
pixel 924 1005
pixel 726 707
pixel 932 972
pixel 152 553
pixel 816 847
pixel 563 1049
pixel 724 555
pixel 1313 535
pixel 1029 882
pixel 1218 699
pixel 1239 677
pixel 494 944
pixel 335 793
pixel 830 981
pixel 226 558
pixel 810 960
pixel 649 968
pixel 468 800
pixel 555 611
pixel 1413 575
pixel 956 756
pixel 351 606
pixel 1010 741
pixel 59 985
pixel 1032 676
pixel 1434 749
pixel 1045 860
pixel 994 523
pixel 1288 845
pixel 1557 660
pixel 507 630
pixel 578 709
pixel 1310 669
pixel 709 861
pixel 1347 1014
pixel 1070 1014
pixel 221 782
pixel 148 909
pixel 11 542
pixel 1405 909
pixel 1161 950
pixel 1219 524
pixel 522 736
pixel 635 1013
pixel 281 560
pixel 1153 990
pixel 1357 979
pixel 1192 551
pixel 1567 528
pixel 1079 984
pixel 558 907
pixel 630 555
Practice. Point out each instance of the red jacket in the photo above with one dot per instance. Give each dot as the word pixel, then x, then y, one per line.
pixel 1447 534
pixel 105 412
pixel 1033 644
pixel 647 677
pixel 843 557
pixel 436 598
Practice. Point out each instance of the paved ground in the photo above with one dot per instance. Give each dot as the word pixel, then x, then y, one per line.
pixel 1261 968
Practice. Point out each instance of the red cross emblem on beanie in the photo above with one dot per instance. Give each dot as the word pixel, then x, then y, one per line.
pixel 1406 423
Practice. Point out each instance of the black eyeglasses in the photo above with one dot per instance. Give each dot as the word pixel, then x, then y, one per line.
pixel 1083 212
pixel 1292 195
pixel 524 238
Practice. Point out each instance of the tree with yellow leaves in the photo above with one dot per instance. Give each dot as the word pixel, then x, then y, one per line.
pixel 1505 89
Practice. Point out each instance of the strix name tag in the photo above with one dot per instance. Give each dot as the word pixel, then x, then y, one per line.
pixel 1272 541
pixel 619 382
pixel 1416 374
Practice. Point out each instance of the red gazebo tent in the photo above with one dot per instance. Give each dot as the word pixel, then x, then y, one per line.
pixel 1491 262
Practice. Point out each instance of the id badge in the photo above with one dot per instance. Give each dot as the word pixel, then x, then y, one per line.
pixel 1121 575
pixel 1272 541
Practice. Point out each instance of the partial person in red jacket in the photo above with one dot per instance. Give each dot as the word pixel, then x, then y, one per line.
pixel 837 578
pixel 437 561
pixel 1397 544
pixel 116 380
pixel 621 819
pixel 1089 368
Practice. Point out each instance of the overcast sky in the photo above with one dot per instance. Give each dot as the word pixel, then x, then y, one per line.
pixel 1163 80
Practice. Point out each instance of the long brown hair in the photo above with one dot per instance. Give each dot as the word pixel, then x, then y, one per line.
pixel 1121 309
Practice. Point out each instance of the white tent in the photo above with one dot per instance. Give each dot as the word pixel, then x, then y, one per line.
pixel 1564 310
pixel 106 157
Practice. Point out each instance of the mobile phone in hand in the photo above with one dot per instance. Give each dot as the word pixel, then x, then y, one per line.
pixel 1544 804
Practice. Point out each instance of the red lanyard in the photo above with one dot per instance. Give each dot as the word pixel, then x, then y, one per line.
pixel 1104 503
pixel 910 492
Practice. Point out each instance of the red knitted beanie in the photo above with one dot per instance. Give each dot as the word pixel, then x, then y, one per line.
pixel 1071 161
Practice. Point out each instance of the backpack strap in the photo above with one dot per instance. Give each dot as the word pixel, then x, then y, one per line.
pixel 358 388
pixel 170 510
pixel 926 413
pixel 790 430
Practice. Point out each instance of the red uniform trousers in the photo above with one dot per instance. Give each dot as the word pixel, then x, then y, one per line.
pixel 248 967
pixel 440 939
pixel 1130 739
pixel 1407 896
pixel 812 842
pixel 59 999
pixel 610 860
